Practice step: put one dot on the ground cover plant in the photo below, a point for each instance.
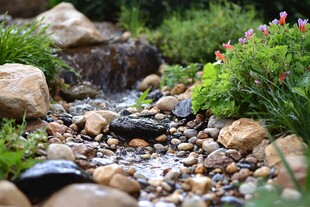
(28, 44)
(265, 74)
(17, 152)
(193, 36)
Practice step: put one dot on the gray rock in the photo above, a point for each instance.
(183, 109)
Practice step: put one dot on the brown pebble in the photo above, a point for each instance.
(200, 169)
(138, 143)
(161, 138)
(74, 127)
(131, 170)
(202, 135)
(241, 175)
(262, 172)
(232, 168)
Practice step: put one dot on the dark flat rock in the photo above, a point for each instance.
(183, 109)
(47, 177)
(128, 128)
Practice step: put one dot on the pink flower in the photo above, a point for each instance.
(242, 40)
(283, 16)
(275, 21)
(248, 33)
(220, 56)
(228, 46)
(302, 24)
(257, 82)
(263, 28)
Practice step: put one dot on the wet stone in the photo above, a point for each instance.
(183, 109)
(52, 173)
(190, 133)
(127, 128)
(217, 159)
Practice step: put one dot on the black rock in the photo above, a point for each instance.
(128, 128)
(45, 178)
(183, 109)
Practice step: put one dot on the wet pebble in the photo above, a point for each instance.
(189, 161)
(210, 146)
(262, 172)
(160, 148)
(212, 132)
(190, 133)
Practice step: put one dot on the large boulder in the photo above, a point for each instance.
(243, 134)
(69, 27)
(23, 88)
(90, 195)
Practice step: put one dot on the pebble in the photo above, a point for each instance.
(200, 185)
(189, 161)
(161, 138)
(202, 135)
(159, 116)
(185, 146)
(103, 174)
(262, 172)
(190, 133)
(167, 103)
(156, 181)
(59, 151)
(106, 152)
(232, 168)
(138, 143)
(210, 146)
(160, 148)
(235, 154)
(241, 175)
(247, 188)
(112, 141)
(172, 175)
(98, 138)
(290, 194)
(212, 132)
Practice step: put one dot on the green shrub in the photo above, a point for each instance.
(17, 152)
(265, 75)
(25, 44)
(175, 74)
(194, 37)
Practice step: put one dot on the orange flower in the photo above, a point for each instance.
(283, 16)
(302, 24)
(220, 56)
(228, 46)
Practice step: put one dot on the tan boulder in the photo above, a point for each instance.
(23, 88)
(90, 195)
(243, 134)
(69, 27)
(149, 81)
(289, 145)
(10, 195)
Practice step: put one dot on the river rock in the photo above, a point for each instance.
(79, 92)
(69, 27)
(90, 195)
(149, 81)
(126, 184)
(183, 109)
(59, 152)
(243, 134)
(200, 184)
(167, 103)
(11, 196)
(23, 88)
(94, 123)
(289, 145)
(218, 123)
(104, 174)
(218, 159)
(129, 128)
(47, 177)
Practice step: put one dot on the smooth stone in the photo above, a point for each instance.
(173, 175)
(185, 146)
(151, 80)
(167, 103)
(217, 159)
(112, 141)
(161, 138)
(59, 152)
(103, 174)
(262, 172)
(189, 161)
(232, 168)
(200, 185)
(212, 132)
(138, 143)
(52, 173)
(210, 146)
(94, 123)
(125, 184)
(190, 133)
(90, 195)
(215, 122)
(291, 194)
(107, 152)
(160, 148)
(10, 195)
(247, 188)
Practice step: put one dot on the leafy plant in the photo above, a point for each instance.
(16, 151)
(131, 18)
(27, 44)
(266, 74)
(142, 100)
(175, 74)
(193, 36)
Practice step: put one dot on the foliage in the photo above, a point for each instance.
(16, 151)
(175, 74)
(142, 100)
(193, 36)
(27, 45)
(265, 74)
(131, 18)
